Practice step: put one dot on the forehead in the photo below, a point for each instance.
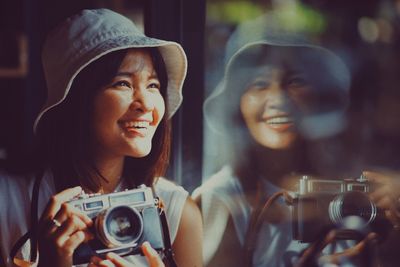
(280, 56)
(137, 60)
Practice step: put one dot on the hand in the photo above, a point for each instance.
(361, 250)
(62, 228)
(387, 194)
(114, 260)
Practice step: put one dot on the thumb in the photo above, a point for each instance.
(152, 256)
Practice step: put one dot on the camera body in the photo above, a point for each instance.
(321, 205)
(122, 221)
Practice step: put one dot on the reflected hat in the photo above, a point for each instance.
(257, 39)
(91, 34)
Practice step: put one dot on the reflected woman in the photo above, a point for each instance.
(278, 95)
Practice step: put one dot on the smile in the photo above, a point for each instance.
(280, 123)
(135, 128)
(279, 120)
(136, 124)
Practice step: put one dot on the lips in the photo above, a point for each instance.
(135, 124)
(279, 122)
(135, 127)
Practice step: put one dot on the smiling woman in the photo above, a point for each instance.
(105, 128)
(136, 108)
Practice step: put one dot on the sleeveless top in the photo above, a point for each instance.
(226, 212)
(15, 201)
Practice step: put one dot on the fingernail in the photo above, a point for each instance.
(111, 255)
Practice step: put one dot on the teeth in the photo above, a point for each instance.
(279, 120)
(136, 124)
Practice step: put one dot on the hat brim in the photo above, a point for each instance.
(172, 53)
(217, 112)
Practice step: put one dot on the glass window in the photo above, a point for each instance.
(301, 97)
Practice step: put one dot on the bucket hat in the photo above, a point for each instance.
(260, 36)
(91, 34)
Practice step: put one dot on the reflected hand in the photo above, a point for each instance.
(351, 253)
(114, 260)
(387, 195)
(62, 228)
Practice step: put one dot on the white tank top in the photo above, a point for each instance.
(15, 201)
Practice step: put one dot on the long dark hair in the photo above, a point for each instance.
(64, 135)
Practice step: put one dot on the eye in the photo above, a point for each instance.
(296, 82)
(122, 83)
(154, 85)
(259, 84)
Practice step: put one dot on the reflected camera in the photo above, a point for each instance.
(122, 221)
(321, 205)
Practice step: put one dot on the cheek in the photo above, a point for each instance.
(249, 106)
(159, 105)
(107, 109)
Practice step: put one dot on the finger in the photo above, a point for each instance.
(380, 193)
(385, 203)
(55, 201)
(95, 259)
(106, 263)
(72, 242)
(153, 258)
(117, 260)
(354, 251)
(70, 226)
(67, 211)
(375, 176)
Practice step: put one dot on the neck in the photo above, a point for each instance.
(111, 169)
(280, 166)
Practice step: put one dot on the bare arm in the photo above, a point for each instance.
(189, 240)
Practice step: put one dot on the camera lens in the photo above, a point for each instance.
(352, 204)
(119, 226)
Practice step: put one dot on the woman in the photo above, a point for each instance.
(280, 96)
(105, 128)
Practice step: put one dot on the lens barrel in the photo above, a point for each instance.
(119, 226)
(352, 203)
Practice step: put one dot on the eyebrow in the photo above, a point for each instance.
(128, 74)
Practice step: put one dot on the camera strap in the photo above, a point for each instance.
(256, 221)
(32, 232)
(168, 252)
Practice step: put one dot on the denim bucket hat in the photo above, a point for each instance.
(91, 34)
(260, 37)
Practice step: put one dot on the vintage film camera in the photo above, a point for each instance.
(321, 205)
(122, 222)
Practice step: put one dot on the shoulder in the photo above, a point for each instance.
(14, 208)
(168, 190)
(220, 184)
(189, 239)
(190, 214)
(13, 186)
(174, 198)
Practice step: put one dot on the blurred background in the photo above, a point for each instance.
(365, 34)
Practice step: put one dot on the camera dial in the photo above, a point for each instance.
(119, 226)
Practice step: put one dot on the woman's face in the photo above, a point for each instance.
(128, 110)
(269, 103)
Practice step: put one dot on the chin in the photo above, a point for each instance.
(139, 152)
(279, 143)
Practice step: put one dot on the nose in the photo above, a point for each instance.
(275, 96)
(142, 101)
